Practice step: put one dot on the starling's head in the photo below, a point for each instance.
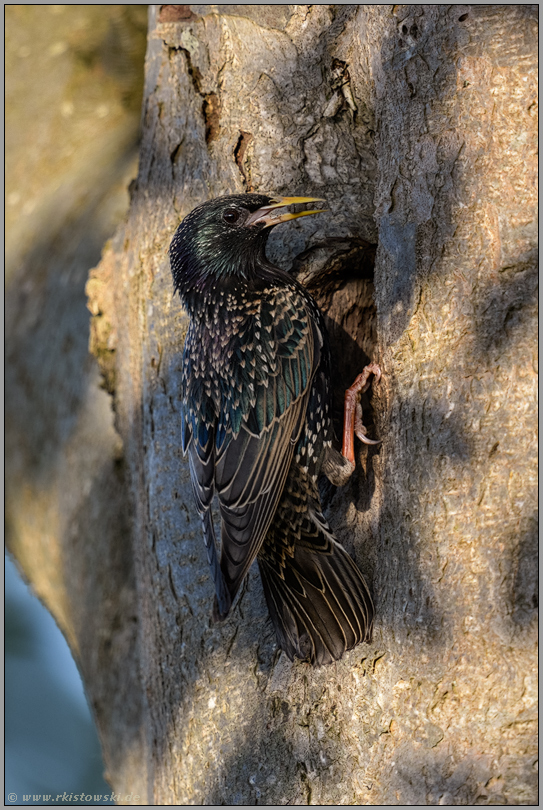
(227, 237)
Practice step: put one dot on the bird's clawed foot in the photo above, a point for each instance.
(352, 422)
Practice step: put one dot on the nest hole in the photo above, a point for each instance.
(339, 276)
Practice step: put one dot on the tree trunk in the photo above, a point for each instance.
(417, 125)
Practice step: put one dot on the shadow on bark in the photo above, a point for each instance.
(524, 582)
(102, 593)
(505, 309)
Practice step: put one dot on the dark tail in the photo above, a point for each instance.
(223, 601)
(317, 597)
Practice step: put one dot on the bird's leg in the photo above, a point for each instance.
(352, 419)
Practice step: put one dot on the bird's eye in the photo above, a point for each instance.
(231, 216)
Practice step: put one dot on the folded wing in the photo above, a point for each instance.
(241, 450)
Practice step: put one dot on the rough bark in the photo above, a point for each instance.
(416, 123)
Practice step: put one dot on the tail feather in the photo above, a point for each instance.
(223, 600)
(316, 596)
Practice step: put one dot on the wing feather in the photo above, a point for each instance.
(241, 445)
(246, 521)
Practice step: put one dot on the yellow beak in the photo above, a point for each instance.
(268, 216)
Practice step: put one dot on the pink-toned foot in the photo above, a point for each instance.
(352, 419)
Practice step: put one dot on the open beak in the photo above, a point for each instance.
(269, 215)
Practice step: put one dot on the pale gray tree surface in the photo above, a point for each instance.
(417, 125)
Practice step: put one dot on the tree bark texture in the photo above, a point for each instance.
(417, 125)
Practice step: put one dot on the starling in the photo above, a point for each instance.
(257, 426)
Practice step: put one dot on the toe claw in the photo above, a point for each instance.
(360, 429)
(364, 438)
